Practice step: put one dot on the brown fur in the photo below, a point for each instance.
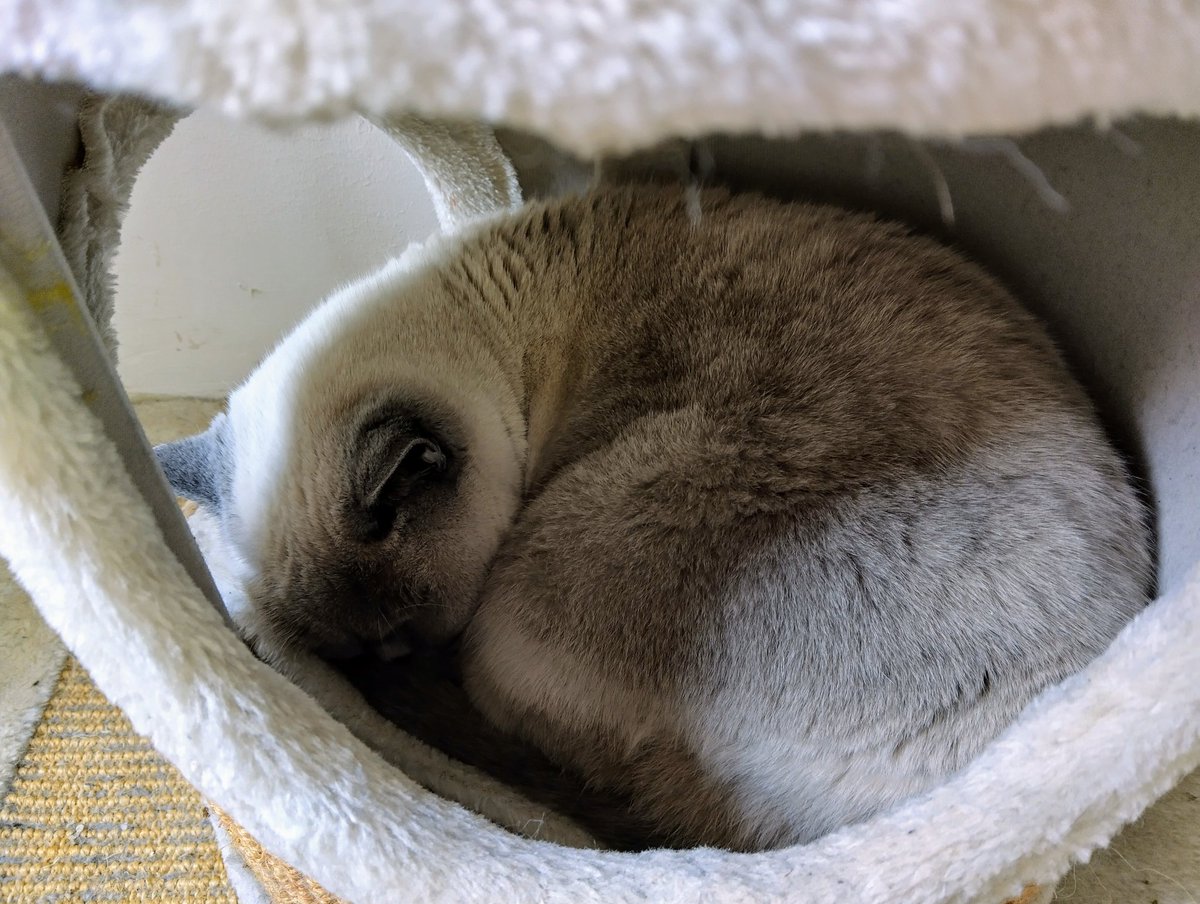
(809, 507)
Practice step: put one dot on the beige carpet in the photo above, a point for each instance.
(30, 659)
(1154, 861)
(93, 813)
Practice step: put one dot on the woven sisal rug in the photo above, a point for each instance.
(93, 813)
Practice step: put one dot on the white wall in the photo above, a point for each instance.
(235, 231)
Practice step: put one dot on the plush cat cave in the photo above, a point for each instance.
(1095, 228)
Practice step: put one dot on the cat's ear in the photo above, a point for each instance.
(394, 457)
(197, 466)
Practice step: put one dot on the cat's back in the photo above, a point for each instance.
(821, 510)
(780, 316)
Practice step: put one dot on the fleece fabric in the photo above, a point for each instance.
(600, 75)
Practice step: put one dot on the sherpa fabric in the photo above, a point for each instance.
(466, 172)
(619, 75)
(117, 136)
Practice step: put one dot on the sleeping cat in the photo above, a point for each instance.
(762, 517)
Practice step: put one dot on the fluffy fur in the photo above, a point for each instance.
(606, 76)
(763, 516)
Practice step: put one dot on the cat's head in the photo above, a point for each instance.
(362, 477)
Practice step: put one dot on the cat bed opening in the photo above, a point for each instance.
(234, 228)
(1113, 274)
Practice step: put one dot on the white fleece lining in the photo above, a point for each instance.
(620, 75)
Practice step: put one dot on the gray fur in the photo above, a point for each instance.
(809, 507)
(199, 467)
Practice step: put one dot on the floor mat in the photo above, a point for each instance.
(31, 656)
(93, 813)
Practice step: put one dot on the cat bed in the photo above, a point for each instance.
(90, 529)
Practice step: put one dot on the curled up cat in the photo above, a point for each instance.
(754, 518)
